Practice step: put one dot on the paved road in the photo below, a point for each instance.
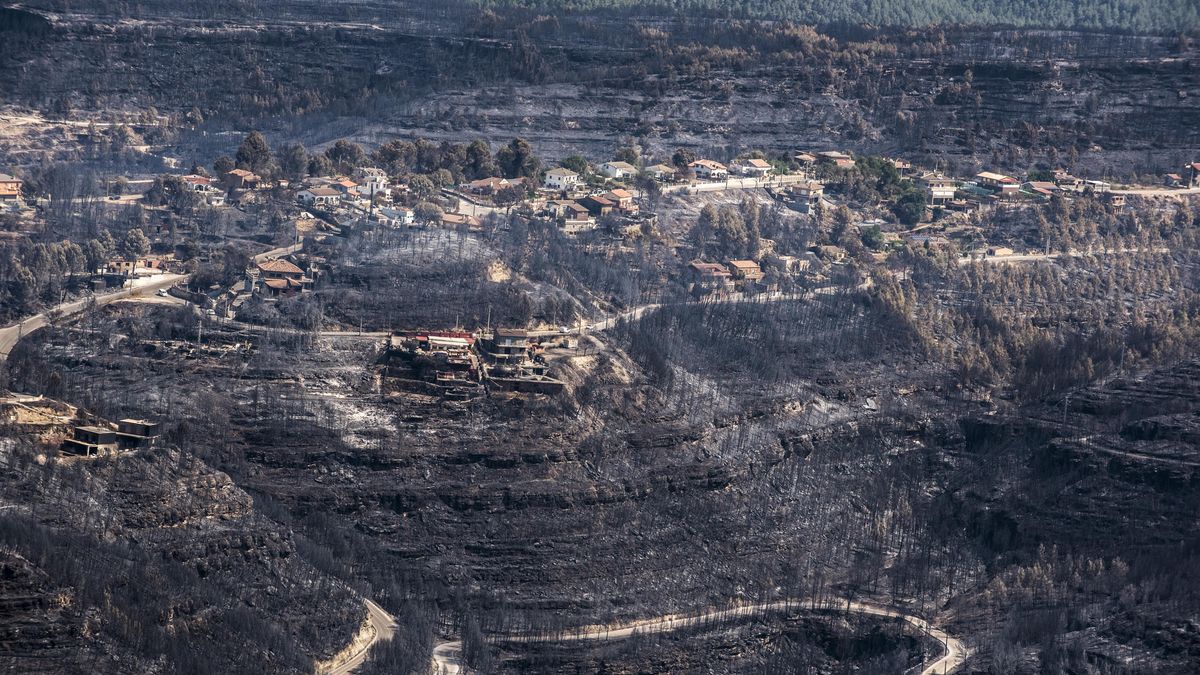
(276, 252)
(384, 627)
(10, 335)
(641, 310)
(1033, 257)
(447, 655)
(121, 199)
(1156, 192)
(1098, 445)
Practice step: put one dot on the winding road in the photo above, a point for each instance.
(383, 627)
(641, 310)
(11, 334)
(1034, 257)
(447, 655)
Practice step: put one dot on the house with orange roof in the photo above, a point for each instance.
(241, 179)
(622, 198)
(708, 169)
(277, 277)
(10, 188)
(754, 167)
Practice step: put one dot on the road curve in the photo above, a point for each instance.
(1034, 257)
(11, 334)
(733, 298)
(447, 655)
(383, 627)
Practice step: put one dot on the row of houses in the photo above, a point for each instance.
(702, 169)
(713, 278)
(577, 215)
(834, 158)
(492, 185)
(368, 183)
(215, 190)
(564, 179)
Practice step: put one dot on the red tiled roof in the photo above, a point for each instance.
(280, 266)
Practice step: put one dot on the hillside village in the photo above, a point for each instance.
(596, 336)
(611, 201)
(294, 207)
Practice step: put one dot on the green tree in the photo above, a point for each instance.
(628, 154)
(872, 238)
(427, 213)
(223, 165)
(293, 161)
(575, 163)
(910, 208)
(134, 245)
(118, 186)
(517, 160)
(428, 156)
(507, 196)
(683, 157)
(480, 163)
(22, 285)
(319, 165)
(254, 154)
(396, 157)
(422, 187)
(108, 245)
(346, 156)
(94, 255)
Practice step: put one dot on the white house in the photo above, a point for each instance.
(320, 196)
(707, 169)
(939, 189)
(755, 168)
(661, 171)
(561, 179)
(197, 183)
(397, 217)
(373, 181)
(618, 170)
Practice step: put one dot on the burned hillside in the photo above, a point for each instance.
(474, 337)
